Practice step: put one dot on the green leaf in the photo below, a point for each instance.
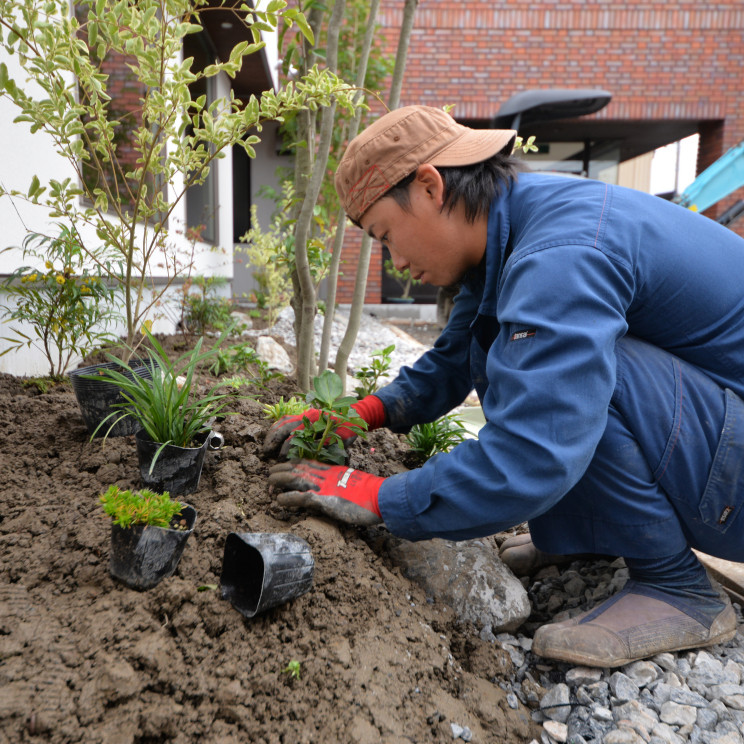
(328, 386)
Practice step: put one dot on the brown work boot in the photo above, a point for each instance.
(633, 624)
(524, 559)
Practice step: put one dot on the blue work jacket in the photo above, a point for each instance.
(571, 266)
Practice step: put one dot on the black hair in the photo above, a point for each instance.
(474, 185)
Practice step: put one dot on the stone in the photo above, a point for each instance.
(677, 715)
(556, 730)
(642, 672)
(687, 697)
(468, 577)
(555, 703)
(707, 719)
(623, 736)
(582, 676)
(273, 354)
(623, 687)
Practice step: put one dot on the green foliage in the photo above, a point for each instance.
(167, 405)
(68, 308)
(403, 278)
(240, 358)
(319, 440)
(267, 255)
(292, 670)
(275, 411)
(127, 195)
(272, 253)
(204, 310)
(140, 507)
(426, 440)
(369, 376)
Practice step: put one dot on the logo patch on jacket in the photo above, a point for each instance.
(524, 333)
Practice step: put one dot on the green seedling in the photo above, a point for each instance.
(291, 407)
(239, 358)
(369, 377)
(426, 440)
(167, 406)
(319, 440)
(292, 670)
(127, 508)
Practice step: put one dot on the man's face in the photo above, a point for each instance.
(436, 246)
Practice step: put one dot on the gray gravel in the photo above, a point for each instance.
(691, 696)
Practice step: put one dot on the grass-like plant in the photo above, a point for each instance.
(166, 406)
(140, 507)
(426, 440)
(369, 376)
(319, 440)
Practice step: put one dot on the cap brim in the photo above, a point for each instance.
(475, 146)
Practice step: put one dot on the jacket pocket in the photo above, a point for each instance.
(721, 503)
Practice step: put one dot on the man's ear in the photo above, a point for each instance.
(428, 177)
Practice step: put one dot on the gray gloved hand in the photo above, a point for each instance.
(339, 492)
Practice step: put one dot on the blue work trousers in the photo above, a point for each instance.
(667, 473)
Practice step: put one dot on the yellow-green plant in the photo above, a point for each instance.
(266, 252)
(290, 407)
(125, 192)
(127, 508)
(292, 670)
(68, 309)
(403, 278)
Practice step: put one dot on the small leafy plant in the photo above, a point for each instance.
(239, 358)
(426, 440)
(140, 507)
(291, 407)
(204, 310)
(292, 670)
(319, 440)
(166, 405)
(68, 308)
(369, 377)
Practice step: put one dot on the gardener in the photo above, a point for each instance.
(603, 330)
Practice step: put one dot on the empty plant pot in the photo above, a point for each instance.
(95, 397)
(177, 470)
(143, 555)
(261, 570)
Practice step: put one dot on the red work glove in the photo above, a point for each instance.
(369, 409)
(334, 490)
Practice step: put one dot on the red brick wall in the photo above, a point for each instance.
(660, 59)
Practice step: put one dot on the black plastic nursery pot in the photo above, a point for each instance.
(97, 397)
(143, 555)
(261, 570)
(177, 470)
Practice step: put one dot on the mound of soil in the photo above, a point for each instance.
(85, 659)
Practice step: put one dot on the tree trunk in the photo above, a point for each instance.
(341, 219)
(360, 285)
(306, 345)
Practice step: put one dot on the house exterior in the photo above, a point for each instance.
(673, 69)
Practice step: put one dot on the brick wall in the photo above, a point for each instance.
(661, 60)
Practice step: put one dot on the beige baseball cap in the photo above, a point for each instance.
(398, 143)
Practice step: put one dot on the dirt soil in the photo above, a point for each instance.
(85, 659)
